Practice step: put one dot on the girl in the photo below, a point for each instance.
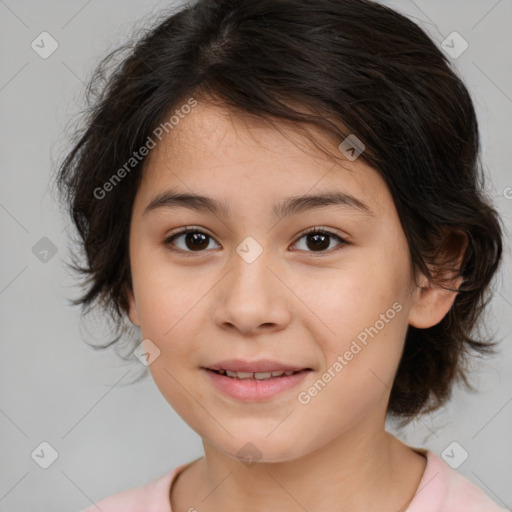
(284, 196)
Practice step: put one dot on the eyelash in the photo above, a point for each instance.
(315, 230)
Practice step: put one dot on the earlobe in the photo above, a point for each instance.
(133, 313)
(431, 301)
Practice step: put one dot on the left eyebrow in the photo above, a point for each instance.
(289, 206)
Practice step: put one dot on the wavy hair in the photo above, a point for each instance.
(344, 66)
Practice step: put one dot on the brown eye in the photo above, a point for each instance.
(319, 240)
(191, 240)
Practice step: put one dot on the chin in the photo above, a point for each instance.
(253, 450)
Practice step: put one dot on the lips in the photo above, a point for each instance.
(257, 386)
(260, 366)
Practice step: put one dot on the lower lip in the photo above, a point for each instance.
(253, 390)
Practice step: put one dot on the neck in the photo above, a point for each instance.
(361, 470)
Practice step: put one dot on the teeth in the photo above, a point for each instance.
(240, 375)
(257, 375)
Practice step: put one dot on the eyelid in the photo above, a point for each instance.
(322, 230)
(184, 230)
(315, 229)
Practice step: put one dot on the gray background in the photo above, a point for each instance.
(55, 388)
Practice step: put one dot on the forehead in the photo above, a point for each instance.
(218, 152)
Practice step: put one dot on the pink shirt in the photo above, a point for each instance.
(441, 489)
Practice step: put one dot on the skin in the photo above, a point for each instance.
(292, 304)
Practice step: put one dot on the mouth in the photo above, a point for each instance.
(269, 379)
(254, 367)
(260, 376)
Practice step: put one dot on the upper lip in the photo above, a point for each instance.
(262, 365)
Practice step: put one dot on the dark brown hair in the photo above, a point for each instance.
(326, 63)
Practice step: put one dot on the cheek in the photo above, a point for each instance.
(348, 299)
(165, 292)
(360, 365)
(363, 310)
(173, 304)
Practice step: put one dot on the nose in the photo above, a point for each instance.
(252, 298)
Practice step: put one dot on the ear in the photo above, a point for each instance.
(133, 312)
(432, 302)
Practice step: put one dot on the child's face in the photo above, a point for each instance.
(295, 303)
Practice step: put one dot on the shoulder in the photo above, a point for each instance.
(150, 497)
(443, 489)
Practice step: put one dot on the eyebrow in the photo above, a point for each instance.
(289, 206)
